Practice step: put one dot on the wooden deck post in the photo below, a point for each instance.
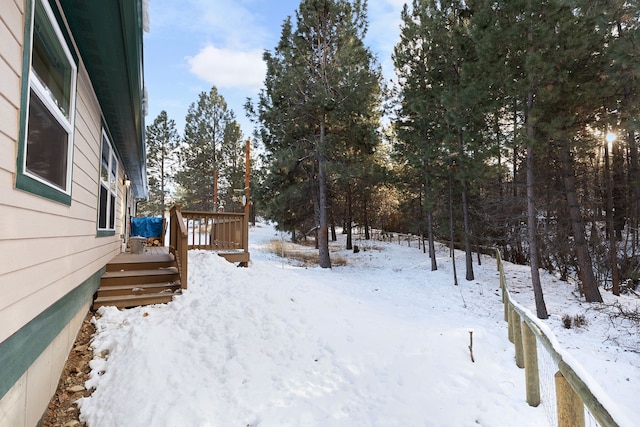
(570, 406)
(531, 373)
(178, 240)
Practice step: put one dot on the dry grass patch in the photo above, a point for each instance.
(303, 254)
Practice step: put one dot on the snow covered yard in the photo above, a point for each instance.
(382, 341)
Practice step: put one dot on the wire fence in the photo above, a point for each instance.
(567, 393)
(570, 397)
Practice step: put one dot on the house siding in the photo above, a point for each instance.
(53, 247)
(52, 257)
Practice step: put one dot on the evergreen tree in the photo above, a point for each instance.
(206, 127)
(232, 168)
(320, 82)
(420, 113)
(502, 33)
(162, 143)
(440, 127)
(568, 65)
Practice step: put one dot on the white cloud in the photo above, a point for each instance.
(227, 68)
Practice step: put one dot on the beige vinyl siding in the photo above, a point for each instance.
(12, 16)
(9, 87)
(11, 29)
(48, 248)
(7, 158)
(8, 126)
(10, 70)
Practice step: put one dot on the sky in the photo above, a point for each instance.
(378, 340)
(193, 45)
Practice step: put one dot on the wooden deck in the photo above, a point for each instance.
(160, 272)
(139, 279)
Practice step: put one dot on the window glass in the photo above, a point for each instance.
(114, 173)
(46, 144)
(102, 212)
(108, 186)
(104, 169)
(50, 63)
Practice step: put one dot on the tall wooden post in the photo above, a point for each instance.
(517, 339)
(247, 174)
(531, 372)
(247, 202)
(570, 406)
(215, 190)
(510, 324)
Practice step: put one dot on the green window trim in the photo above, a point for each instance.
(28, 180)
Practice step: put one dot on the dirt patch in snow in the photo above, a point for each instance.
(62, 410)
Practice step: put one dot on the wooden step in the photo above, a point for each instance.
(140, 262)
(133, 300)
(235, 257)
(139, 277)
(145, 288)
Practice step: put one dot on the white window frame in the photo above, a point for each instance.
(44, 95)
(110, 186)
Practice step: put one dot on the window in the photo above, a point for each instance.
(46, 142)
(108, 187)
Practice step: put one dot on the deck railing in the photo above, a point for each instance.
(225, 232)
(178, 243)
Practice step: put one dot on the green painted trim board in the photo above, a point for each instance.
(20, 350)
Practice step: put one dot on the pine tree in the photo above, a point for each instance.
(502, 37)
(420, 112)
(320, 81)
(162, 143)
(206, 126)
(232, 168)
(440, 126)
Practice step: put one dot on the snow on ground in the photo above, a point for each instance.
(381, 341)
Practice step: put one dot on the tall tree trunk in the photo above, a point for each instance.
(465, 219)
(367, 235)
(432, 247)
(617, 192)
(429, 211)
(635, 179)
(613, 248)
(467, 234)
(323, 230)
(349, 221)
(541, 307)
(585, 266)
(451, 227)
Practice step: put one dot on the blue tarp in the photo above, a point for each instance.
(146, 227)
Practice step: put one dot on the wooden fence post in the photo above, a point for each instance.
(531, 373)
(510, 315)
(503, 288)
(517, 338)
(570, 406)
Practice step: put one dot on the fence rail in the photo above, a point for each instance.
(576, 393)
(575, 390)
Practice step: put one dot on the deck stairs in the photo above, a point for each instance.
(134, 280)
